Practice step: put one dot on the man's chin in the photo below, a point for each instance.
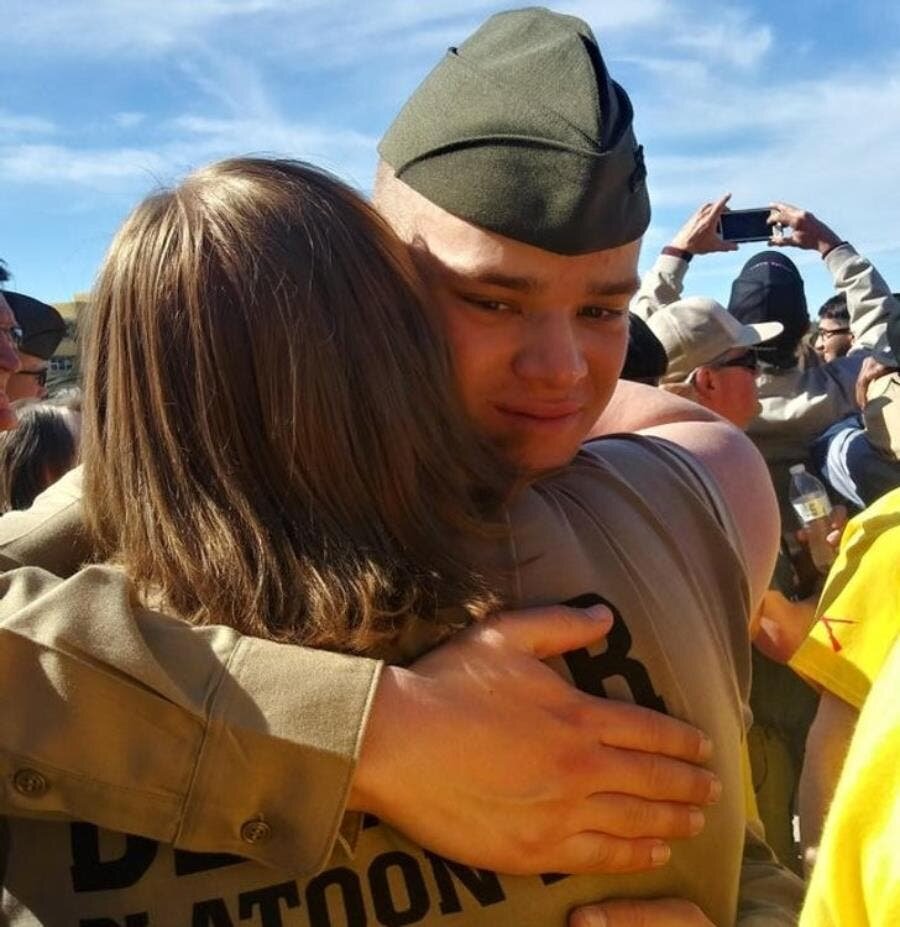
(539, 459)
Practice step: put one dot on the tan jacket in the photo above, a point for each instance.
(797, 405)
(132, 681)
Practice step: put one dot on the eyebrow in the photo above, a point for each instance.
(524, 284)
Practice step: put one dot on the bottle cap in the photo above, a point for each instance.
(798, 468)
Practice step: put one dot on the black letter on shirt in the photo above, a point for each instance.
(131, 920)
(385, 909)
(482, 884)
(91, 874)
(351, 894)
(211, 913)
(267, 899)
(588, 671)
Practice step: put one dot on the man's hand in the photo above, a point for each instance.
(807, 231)
(699, 235)
(660, 912)
(870, 371)
(484, 754)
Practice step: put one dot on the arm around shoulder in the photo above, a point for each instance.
(148, 725)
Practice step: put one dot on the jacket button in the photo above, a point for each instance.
(255, 831)
(30, 782)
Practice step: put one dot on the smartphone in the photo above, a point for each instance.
(745, 225)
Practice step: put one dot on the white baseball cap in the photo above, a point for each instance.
(697, 331)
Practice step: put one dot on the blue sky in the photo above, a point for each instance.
(103, 100)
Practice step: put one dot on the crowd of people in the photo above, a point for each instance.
(416, 562)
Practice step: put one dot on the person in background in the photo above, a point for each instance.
(10, 339)
(43, 328)
(711, 356)
(833, 336)
(37, 452)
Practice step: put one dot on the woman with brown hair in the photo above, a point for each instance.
(271, 435)
(272, 441)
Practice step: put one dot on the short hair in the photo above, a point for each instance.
(36, 453)
(272, 437)
(835, 307)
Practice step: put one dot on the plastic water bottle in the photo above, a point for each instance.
(813, 508)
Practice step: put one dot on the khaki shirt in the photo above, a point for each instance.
(661, 553)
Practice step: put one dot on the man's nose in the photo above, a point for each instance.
(552, 354)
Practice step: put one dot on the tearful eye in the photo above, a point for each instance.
(488, 305)
(602, 312)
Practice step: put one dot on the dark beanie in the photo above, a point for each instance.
(42, 326)
(769, 288)
(646, 358)
(521, 131)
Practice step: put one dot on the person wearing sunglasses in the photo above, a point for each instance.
(712, 356)
(10, 338)
(43, 328)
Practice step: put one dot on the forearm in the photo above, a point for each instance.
(869, 299)
(826, 748)
(150, 726)
(662, 284)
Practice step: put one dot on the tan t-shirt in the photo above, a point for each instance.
(629, 523)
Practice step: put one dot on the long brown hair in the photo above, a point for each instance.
(271, 434)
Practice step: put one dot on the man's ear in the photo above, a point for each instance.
(705, 381)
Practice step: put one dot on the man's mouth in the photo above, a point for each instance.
(537, 413)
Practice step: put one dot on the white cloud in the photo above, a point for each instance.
(15, 124)
(730, 37)
(60, 165)
(128, 120)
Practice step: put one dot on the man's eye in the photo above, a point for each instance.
(488, 305)
(602, 312)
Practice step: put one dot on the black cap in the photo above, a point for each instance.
(646, 358)
(769, 288)
(42, 326)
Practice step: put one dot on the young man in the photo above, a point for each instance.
(833, 336)
(533, 281)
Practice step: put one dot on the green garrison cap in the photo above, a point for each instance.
(522, 131)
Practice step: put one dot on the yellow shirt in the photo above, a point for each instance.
(858, 616)
(856, 880)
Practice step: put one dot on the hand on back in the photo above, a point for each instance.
(481, 752)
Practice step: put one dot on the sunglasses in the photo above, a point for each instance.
(39, 375)
(748, 360)
(826, 333)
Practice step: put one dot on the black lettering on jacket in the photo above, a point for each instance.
(387, 910)
(92, 874)
(590, 670)
(484, 886)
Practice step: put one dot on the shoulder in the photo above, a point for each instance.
(51, 533)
